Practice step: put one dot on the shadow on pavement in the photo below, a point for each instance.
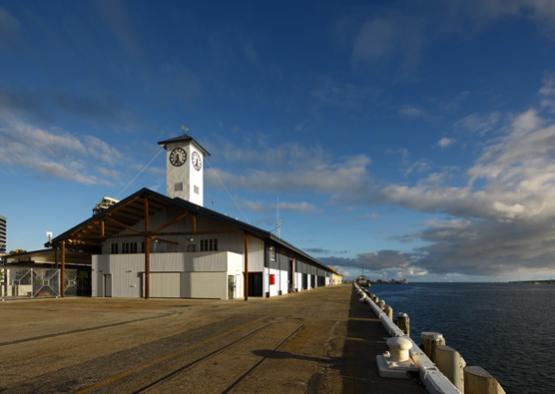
(276, 354)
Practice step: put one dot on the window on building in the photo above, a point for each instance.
(128, 247)
(195, 189)
(178, 187)
(208, 245)
(272, 253)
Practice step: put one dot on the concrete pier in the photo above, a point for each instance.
(322, 340)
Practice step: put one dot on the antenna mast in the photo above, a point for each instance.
(278, 221)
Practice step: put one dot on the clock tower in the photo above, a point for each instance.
(185, 168)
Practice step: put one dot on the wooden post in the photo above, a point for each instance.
(194, 229)
(294, 273)
(451, 364)
(403, 322)
(5, 280)
(102, 229)
(430, 341)
(246, 273)
(63, 268)
(479, 381)
(388, 311)
(147, 252)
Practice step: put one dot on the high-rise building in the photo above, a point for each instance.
(2, 234)
(104, 204)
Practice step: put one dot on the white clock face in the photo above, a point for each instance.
(178, 157)
(196, 160)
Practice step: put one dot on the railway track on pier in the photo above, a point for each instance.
(236, 380)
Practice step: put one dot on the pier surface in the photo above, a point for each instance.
(323, 340)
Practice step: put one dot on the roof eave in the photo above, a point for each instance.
(164, 143)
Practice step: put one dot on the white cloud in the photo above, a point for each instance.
(500, 221)
(409, 166)
(371, 216)
(527, 121)
(375, 40)
(383, 263)
(547, 92)
(419, 166)
(412, 111)
(480, 124)
(299, 207)
(548, 87)
(387, 37)
(294, 169)
(445, 142)
(56, 154)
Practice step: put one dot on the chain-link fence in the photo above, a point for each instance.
(36, 282)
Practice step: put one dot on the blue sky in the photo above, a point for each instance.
(416, 139)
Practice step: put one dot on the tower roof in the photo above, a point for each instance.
(185, 138)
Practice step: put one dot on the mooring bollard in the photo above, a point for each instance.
(431, 340)
(388, 311)
(479, 381)
(381, 304)
(399, 348)
(451, 364)
(403, 322)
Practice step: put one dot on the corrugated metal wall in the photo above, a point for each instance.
(126, 271)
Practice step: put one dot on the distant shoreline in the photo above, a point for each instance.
(543, 282)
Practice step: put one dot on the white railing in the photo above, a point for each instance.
(434, 380)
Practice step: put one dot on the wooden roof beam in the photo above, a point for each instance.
(123, 225)
(175, 220)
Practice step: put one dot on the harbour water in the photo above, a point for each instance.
(506, 328)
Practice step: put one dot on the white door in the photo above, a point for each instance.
(165, 284)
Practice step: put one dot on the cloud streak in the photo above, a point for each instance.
(299, 207)
(383, 263)
(56, 154)
(301, 169)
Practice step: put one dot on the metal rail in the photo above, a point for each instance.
(257, 364)
(169, 376)
(434, 381)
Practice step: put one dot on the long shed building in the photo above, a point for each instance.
(153, 245)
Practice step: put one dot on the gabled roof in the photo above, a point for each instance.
(184, 138)
(130, 210)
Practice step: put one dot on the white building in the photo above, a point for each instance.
(152, 245)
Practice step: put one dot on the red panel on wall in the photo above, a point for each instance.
(272, 279)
